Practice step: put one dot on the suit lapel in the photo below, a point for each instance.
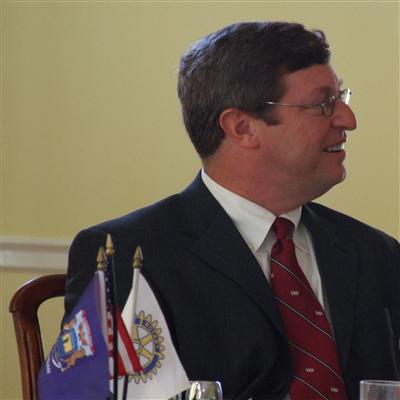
(337, 263)
(217, 242)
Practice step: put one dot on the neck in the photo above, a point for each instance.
(272, 194)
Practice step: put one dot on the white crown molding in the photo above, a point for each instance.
(19, 252)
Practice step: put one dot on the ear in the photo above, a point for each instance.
(239, 127)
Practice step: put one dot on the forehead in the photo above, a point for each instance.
(319, 78)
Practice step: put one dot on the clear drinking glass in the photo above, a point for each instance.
(379, 390)
(204, 390)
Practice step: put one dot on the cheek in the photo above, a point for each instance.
(297, 143)
(304, 145)
(302, 134)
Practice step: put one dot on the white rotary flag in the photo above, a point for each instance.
(163, 375)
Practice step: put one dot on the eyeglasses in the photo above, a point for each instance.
(327, 106)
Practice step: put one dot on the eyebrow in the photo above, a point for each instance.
(323, 90)
(328, 89)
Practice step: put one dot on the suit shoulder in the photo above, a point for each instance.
(142, 218)
(345, 225)
(140, 223)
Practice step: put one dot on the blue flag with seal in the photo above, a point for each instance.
(77, 366)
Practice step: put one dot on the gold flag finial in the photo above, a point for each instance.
(100, 259)
(109, 246)
(137, 258)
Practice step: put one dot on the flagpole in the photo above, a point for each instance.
(101, 269)
(137, 264)
(113, 297)
(101, 266)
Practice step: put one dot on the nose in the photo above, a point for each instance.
(344, 117)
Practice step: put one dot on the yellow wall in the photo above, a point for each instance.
(91, 125)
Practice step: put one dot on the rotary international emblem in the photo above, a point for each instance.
(148, 341)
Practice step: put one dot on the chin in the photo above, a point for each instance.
(344, 174)
(339, 177)
(325, 186)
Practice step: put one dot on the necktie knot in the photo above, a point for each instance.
(282, 228)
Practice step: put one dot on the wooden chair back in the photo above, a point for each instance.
(24, 308)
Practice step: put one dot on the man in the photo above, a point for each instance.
(268, 117)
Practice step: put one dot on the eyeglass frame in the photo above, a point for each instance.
(327, 104)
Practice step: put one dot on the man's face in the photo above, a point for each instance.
(305, 148)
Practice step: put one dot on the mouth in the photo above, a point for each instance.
(334, 149)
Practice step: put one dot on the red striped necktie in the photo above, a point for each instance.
(317, 374)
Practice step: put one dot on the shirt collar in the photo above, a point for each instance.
(252, 221)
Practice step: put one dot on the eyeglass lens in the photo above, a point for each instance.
(328, 106)
(345, 96)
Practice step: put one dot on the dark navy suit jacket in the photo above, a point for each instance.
(219, 306)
